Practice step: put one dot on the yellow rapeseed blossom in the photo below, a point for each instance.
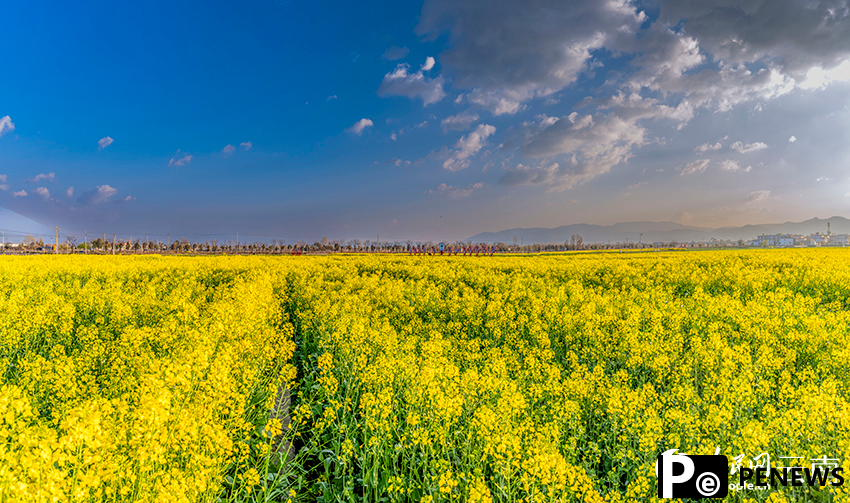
(551, 378)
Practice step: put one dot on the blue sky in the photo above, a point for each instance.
(433, 120)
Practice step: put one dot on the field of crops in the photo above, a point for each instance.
(427, 379)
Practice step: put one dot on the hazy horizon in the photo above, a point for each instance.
(435, 120)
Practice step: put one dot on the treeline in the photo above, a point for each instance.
(273, 247)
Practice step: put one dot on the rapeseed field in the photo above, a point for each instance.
(370, 378)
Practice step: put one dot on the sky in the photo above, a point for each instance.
(424, 121)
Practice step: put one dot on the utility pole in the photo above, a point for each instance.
(378, 246)
(56, 246)
(86, 241)
(147, 240)
(113, 244)
(237, 241)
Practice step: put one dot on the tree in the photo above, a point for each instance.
(71, 241)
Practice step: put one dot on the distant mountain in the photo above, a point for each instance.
(657, 232)
(16, 227)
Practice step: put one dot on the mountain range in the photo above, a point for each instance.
(664, 232)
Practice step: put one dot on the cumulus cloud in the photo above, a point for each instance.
(706, 147)
(104, 142)
(360, 126)
(793, 35)
(632, 107)
(6, 125)
(757, 196)
(98, 195)
(401, 82)
(698, 166)
(43, 192)
(69, 192)
(456, 192)
(733, 166)
(20, 193)
(507, 56)
(792, 139)
(467, 147)
(42, 176)
(818, 78)
(228, 149)
(459, 122)
(590, 144)
(246, 146)
(3, 185)
(179, 159)
(395, 53)
(746, 148)
(701, 165)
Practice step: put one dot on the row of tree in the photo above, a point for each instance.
(275, 246)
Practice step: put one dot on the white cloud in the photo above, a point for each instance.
(69, 192)
(20, 193)
(4, 187)
(697, 166)
(178, 160)
(228, 149)
(733, 166)
(456, 192)
(129, 199)
(393, 136)
(467, 147)
(4, 178)
(43, 192)
(98, 195)
(459, 122)
(792, 139)
(818, 78)
(794, 35)
(6, 125)
(400, 82)
(331, 97)
(757, 196)
(360, 126)
(104, 142)
(590, 144)
(507, 56)
(748, 147)
(42, 176)
(246, 146)
(706, 147)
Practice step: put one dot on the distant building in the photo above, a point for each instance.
(837, 240)
(776, 240)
